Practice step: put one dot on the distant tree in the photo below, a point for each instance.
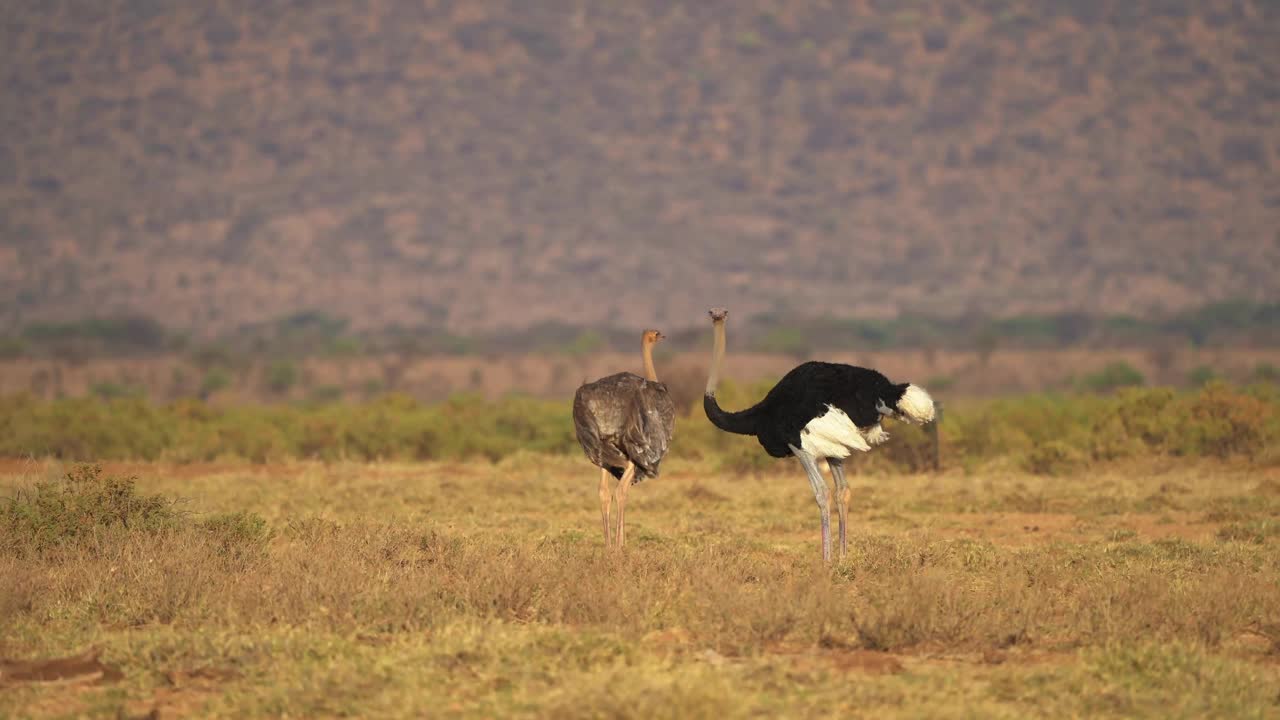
(1115, 375)
(282, 375)
(985, 343)
(215, 380)
(1201, 375)
(1266, 372)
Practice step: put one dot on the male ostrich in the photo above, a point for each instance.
(819, 411)
(624, 424)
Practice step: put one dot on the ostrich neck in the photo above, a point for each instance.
(717, 358)
(649, 372)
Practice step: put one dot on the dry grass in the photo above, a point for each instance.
(479, 590)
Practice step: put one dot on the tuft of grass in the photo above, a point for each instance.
(1175, 679)
(238, 534)
(1254, 531)
(1053, 458)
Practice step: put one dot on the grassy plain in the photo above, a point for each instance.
(1148, 588)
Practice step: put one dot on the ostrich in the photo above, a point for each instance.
(624, 424)
(818, 411)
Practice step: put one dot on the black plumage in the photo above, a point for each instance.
(803, 394)
(818, 411)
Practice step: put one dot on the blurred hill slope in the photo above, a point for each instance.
(481, 165)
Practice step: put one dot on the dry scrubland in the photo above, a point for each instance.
(1088, 556)
(480, 589)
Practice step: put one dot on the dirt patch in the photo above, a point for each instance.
(841, 657)
(1023, 529)
(84, 668)
(701, 493)
(1004, 528)
(864, 661)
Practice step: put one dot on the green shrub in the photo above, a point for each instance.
(1115, 375)
(215, 380)
(12, 347)
(238, 535)
(325, 395)
(282, 375)
(107, 389)
(1053, 458)
(1225, 422)
(78, 509)
(1136, 421)
(1266, 373)
(1045, 433)
(1201, 376)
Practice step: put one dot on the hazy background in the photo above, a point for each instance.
(490, 176)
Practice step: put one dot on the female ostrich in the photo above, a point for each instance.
(819, 411)
(624, 424)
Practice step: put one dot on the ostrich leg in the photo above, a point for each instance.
(821, 494)
(842, 497)
(623, 486)
(606, 499)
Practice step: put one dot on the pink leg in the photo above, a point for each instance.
(606, 499)
(623, 486)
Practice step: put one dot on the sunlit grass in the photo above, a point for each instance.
(479, 589)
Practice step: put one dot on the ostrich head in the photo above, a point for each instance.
(652, 336)
(718, 314)
(911, 404)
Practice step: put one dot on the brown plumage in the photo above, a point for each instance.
(624, 423)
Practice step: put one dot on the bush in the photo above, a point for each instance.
(1045, 433)
(325, 394)
(83, 505)
(11, 348)
(107, 389)
(282, 375)
(215, 379)
(1115, 375)
(1200, 376)
(1137, 421)
(1226, 423)
(1266, 373)
(238, 535)
(1053, 458)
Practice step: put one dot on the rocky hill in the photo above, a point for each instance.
(489, 164)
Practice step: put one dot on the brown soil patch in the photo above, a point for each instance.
(76, 669)
(866, 661)
(1023, 529)
(842, 658)
(1003, 528)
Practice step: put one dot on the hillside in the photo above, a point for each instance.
(486, 165)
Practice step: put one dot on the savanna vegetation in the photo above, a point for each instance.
(1089, 554)
(474, 589)
(1041, 433)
